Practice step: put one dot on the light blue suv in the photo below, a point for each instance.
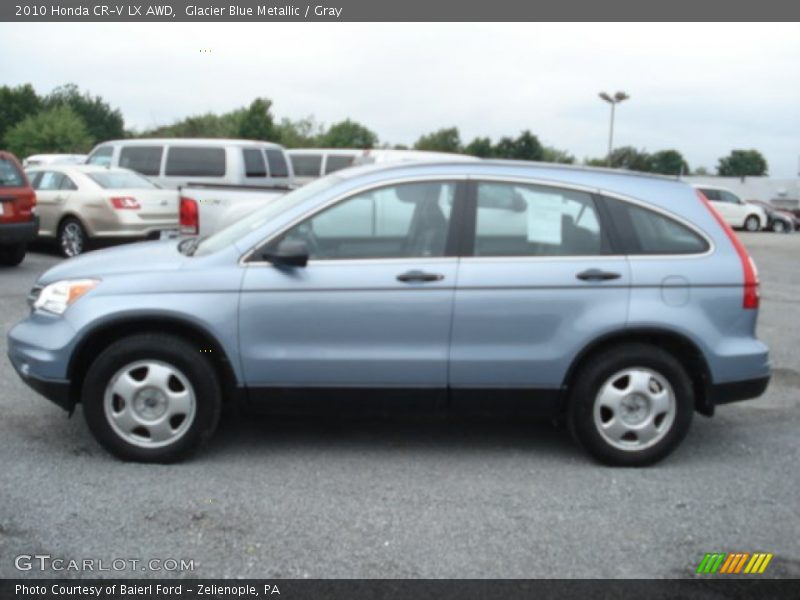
(621, 302)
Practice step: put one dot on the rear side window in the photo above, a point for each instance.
(711, 194)
(336, 162)
(195, 161)
(142, 159)
(101, 156)
(306, 165)
(643, 231)
(10, 175)
(277, 163)
(529, 220)
(49, 181)
(254, 165)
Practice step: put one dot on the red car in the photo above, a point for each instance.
(19, 223)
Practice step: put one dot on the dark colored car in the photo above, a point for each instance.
(777, 220)
(18, 221)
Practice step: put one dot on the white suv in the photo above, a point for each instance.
(735, 211)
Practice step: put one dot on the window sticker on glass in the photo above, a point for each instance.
(544, 217)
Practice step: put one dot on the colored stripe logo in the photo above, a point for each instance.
(734, 563)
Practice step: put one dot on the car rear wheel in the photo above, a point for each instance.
(11, 256)
(72, 238)
(631, 405)
(752, 223)
(779, 227)
(151, 398)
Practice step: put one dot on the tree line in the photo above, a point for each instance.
(70, 121)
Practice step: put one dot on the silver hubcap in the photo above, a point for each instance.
(150, 404)
(634, 409)
(72, 239)
(751, 224)
(778, 227)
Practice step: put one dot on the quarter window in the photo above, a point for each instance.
(407, 220)
(645, 231)
(195, 161)
(306, 165)
(528, 220)
(49, 181)
(142, 159)
(277, 163)
(254, 165)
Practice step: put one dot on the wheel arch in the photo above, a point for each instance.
(73, 215)
(103, 335)
(681, 347)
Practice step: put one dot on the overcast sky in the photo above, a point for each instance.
(703, 89)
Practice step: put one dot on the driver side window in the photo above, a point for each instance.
(408, 220)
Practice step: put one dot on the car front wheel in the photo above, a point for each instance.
(151, 398)
(752, 223)
(631, 405)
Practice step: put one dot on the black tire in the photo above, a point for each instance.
(600, 369)
(752, 224)
(72, 237)
(164, 349)
(779, 227)
(11, 256)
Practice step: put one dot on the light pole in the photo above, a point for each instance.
(613, 101)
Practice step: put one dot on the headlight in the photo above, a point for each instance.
(59, 296)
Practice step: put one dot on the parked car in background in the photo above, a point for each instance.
(204, 210)
(19, 222)
(622, 302)
(777, 220)
(311, 163)
(736, 212)
(789, 207)
(79, 203)
(176, 162)
(36, 160)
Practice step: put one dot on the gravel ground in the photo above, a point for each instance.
(411, 497)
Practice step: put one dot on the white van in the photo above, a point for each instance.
(312, 163)
(175, 162)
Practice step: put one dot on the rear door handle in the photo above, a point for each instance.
(597, 275)
(419, 276)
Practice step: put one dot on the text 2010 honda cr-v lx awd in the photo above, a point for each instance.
(622, 301)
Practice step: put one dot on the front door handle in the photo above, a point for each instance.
(597, 275)
(419, 276)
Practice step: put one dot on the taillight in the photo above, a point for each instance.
(751, 295)
(125, 203)
(190, 216)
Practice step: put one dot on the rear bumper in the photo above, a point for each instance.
(735, 391)
(19, 233)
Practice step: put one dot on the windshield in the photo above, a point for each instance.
(235, 231)
(121, 180)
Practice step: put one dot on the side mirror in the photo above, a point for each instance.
(288, 253)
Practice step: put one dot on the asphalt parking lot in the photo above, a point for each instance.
(313, 497)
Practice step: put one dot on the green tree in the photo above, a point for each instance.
(442, 140)
(303, 133)
(256, 121)
(348, 134)
(481, 147)
(700, 171)
(741, 163)
(102, 122)
(55, 130)
(626, 157)
(504, 148)
(669, 162)
(528, 147)
(208, 125)
(15, 104)
(554, 155)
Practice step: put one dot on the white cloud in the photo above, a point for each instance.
(701, 88)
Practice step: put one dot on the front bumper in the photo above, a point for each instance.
(55, 390)
(19, 233)
(735, 391)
